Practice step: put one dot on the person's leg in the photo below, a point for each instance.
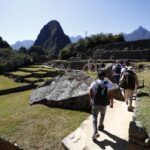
(95, 111)
(94, 116)
(126, 94)
(102, 117)
(131, 92)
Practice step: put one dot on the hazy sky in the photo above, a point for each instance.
(23, 19)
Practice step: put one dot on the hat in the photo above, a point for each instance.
(130, 68)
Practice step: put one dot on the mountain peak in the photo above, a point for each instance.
(140, 27)
(139, 34)
(52, 37)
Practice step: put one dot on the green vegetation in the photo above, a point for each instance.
(36, 126)
(144, 105)
(20, 73)
(6, 83)
(85, 47)
(32, 79)
(9, 59)
(91, 74)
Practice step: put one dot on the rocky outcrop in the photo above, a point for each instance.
(52, 38)
(67, 91)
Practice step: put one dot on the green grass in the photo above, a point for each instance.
(36, 126)
(143, 114)
(20, 73)
(91, 74)
(32, 79)
(38, 68)
(6, 83)
(143, 63)
(41, 72)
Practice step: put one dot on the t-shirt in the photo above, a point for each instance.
(104, 82)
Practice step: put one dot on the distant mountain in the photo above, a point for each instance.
(52, 38)
(138, 34)
(75, 39)
(26, 43)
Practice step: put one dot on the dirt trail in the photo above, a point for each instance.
(114, 136)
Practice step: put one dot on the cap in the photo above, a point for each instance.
(130, 68)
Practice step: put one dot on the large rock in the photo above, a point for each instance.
(52, 38)
(68, 91)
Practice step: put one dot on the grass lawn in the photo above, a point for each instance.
(143, 63)
(144, 105)
(20, 73)
(6, 83)
(38, 68)
(36, 126)
(32, 79)
(40, 72)
(91, 74)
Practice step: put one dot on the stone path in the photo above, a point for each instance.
(114, 137)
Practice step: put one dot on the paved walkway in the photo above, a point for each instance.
(114, 137)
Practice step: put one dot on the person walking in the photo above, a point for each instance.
(100, 98)
(116, 71)
(129, 82)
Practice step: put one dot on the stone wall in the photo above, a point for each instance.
(139, 139)
(125, 54)
(17, 89)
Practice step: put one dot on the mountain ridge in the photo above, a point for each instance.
(25, 43)
(138, 34)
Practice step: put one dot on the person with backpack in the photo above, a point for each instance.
(99, 100)
(129, 82)
(116, 71)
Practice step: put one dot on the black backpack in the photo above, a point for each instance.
(128, 81)
(117, 68)
(101, 95)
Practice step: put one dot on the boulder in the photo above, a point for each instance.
(67, 91)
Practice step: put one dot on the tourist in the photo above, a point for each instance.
(99, 99)
(129, 82)
(116, 71)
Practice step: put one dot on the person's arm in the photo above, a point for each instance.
(111, 99)
(91, 95)
(110, 94)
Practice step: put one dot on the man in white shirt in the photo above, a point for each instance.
(99, 99)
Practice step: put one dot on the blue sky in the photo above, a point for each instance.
(23, 19)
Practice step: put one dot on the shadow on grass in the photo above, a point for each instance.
(118, 144)
(142, 94)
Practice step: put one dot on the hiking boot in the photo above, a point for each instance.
(130, 109)
(101, 127)
(95, 135)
